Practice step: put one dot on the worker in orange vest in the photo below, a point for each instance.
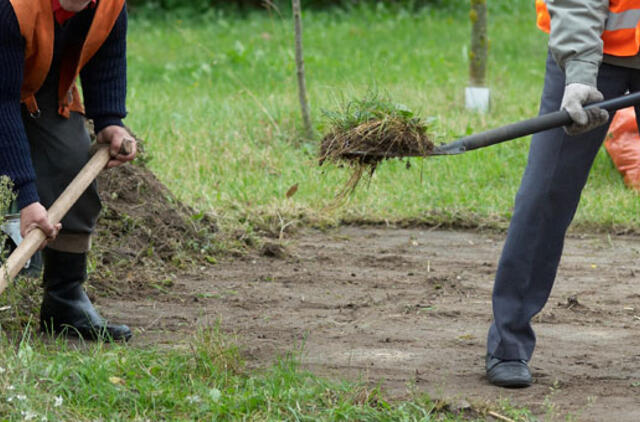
(45, 45)
(593, 54)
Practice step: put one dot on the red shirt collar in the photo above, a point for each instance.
(63, 15)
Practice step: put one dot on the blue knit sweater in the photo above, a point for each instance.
(103, 85)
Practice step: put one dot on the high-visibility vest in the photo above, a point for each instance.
(621, 35)
(36, 21)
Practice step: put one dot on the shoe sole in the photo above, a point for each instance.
(70, 331)
(512, 383)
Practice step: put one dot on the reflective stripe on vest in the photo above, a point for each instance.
(36, 21)
(621, 34)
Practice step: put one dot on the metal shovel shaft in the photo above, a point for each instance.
(528, 127)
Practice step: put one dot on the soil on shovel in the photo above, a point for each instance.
(376, 140)
(369, 131)
(367, 144)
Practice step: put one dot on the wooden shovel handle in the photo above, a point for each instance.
(32, 241)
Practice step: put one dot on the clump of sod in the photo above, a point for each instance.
(366, 132)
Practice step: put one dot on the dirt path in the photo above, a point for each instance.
(410, 309)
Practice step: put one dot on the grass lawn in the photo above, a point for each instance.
(216, 100)
(58, 381)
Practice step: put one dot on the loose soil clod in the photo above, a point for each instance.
(373, 141)
(370, 131)
(274, 250)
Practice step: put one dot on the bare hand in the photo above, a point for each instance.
(114, 136)
(35, 216)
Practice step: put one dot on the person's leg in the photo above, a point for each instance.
(546, 202)
(59, 149)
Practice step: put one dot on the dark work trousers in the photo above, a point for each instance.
(59, 149)
(546, 202)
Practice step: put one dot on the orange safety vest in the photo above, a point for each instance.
(36, 21)
(621, 35)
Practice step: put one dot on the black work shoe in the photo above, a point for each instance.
(66, 308)
(508, 373)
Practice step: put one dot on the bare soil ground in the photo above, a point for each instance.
(410, 308)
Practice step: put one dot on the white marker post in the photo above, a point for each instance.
(477, 94)
(477, 98)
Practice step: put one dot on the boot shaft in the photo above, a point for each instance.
(63, 269)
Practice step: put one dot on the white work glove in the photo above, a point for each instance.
(576, 95)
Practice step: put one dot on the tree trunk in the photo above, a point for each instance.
(302, 86)
(479, 43)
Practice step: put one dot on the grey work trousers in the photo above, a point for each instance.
(546, 202)
(59, 149)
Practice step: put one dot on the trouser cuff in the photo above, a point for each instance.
(71, 243)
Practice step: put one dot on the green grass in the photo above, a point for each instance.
(207, 380)
(371, 107)
(216, 99)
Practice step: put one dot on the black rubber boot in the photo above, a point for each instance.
(66, 308)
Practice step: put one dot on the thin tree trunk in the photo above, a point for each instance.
(302, 86)
(479, 43)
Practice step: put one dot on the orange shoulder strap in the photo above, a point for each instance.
(104, 21)
(35, 18)
(107, 13)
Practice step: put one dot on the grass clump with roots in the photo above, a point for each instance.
(367, 131)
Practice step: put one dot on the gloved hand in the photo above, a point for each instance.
(576, 95)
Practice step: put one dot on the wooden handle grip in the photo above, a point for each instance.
(32, 242)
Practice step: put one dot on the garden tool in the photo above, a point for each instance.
(33, 241)
(511, 131)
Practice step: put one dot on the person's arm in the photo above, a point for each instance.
(104, 84)
(15, 157)
(575, 39)
(104, 79)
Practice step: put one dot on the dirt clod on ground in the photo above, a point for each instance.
(144, 233)
(274, 250)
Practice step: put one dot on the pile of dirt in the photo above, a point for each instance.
(144, 237)
(145, 234)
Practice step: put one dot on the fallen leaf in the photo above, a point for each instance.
(292, 190)
(116, 380)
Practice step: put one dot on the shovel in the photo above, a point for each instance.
(32, 241)
(511, 131)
